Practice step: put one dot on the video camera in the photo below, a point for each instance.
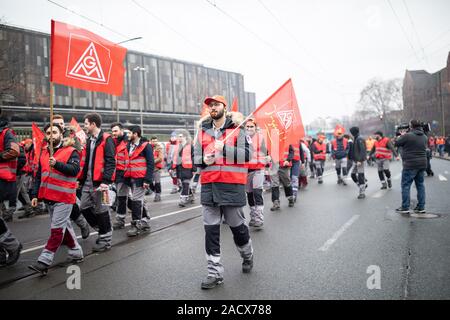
(404, 127)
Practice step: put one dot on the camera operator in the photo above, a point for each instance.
(412, 146)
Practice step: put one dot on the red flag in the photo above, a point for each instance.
(205, 111)
(84, 60)
(38, 140)
(234, 106)
(339, 129)
(279, 118)
(78, 131)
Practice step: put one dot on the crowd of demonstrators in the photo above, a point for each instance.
(95, 182)
(439, 145)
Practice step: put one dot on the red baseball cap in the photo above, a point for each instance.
(216, 98)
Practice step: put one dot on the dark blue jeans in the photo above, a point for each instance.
(408, 176)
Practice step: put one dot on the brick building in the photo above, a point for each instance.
(426, 97)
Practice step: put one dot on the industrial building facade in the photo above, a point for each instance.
(426, 97)
(161, 93)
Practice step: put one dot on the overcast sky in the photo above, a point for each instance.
(330, 49)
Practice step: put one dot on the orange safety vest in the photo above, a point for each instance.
(186, 159)
(122, 158)
(296, 152)
(137, 167)
(8, 169)
(222, 171)
(322, 147)
(56, 186)
(258, 160)
(381, 149)
(334, 144)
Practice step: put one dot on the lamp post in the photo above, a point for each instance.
(141, 70)
(116, 98)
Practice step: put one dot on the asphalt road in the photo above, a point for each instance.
(326, 247)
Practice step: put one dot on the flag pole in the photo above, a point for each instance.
(51, 118)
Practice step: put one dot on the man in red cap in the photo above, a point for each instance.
(221, 150)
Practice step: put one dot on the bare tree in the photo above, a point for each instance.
(380, 97)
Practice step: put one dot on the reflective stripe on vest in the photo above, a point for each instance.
(296, 152)
(8, 169)
(381, 150)
(186, 156)
(122, 158)
(323, 149)
(222, 171)
(99, 163)
(56, 186)
(137, 166)
(258, 160)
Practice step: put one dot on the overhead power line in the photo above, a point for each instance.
(193, 44)
(404, 31)
(416, 33)
(89, 19)
(268, 44)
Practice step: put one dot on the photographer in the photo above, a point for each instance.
(412, 146)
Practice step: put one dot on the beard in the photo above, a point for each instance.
(216, 115)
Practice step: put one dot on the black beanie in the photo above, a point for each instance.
(354, 131)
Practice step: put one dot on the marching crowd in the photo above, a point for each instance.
(112, 172)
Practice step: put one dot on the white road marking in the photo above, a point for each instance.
(446, 172)
(442, 178)
(379, 194)
(338, 233)
(126, 225)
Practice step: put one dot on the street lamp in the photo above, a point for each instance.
(141, 70)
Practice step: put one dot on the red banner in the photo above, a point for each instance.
(78, 131)
(38, 140)
(279, 118)
(84, 60)
(234, 106)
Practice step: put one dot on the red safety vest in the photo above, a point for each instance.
(56, 186)
(296, 152)
(381, 150)
(99, 164)
(334, 144)
(28, 167)
(323, 151)
(258, 160)
(221, 171)
(122, 158)
(8, 169)
(156, 154)
(137, 167)
(186, 159)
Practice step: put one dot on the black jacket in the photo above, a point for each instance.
(412, 147)
(109, 160)
(147, 153)
(341, 152)
(224, 194)
(359, 153)
(70, 169)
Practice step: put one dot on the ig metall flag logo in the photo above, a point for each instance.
(74, 280)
